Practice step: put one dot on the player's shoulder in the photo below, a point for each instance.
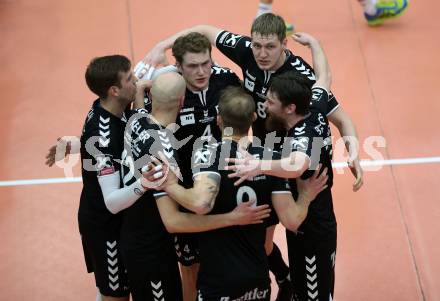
(297, 64)
(320, 94)
(232, 40)
(98, 122)
(220, 73)
(206, 155)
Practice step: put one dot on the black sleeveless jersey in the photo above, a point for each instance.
(312, 136)
(197, 119)
(143, 233)
(234, 257)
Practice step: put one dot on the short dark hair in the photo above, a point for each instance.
(236, 108)
(268, 24)
(104, 72)
(291, 88)
(192, 42)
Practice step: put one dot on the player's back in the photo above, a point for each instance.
(143, 233)
(233, 257)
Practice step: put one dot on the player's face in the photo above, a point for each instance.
(196, 69)
(275, 119)
(127, 89)
(268, 51)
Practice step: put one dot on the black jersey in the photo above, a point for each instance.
(234, 257)
(312, 136)
(101, 149)
(198, 117)
(256, 81)
(143, 234)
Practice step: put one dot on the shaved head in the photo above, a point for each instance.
(167, 90)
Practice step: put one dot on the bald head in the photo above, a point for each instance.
(167, 90)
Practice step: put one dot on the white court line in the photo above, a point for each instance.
(364, 163)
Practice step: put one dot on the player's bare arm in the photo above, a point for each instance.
(64, 147)
(291, 213)
(248, 167)
(339, 118)
(199, 199)
(176, 221)
(157, 56)
(320, 63)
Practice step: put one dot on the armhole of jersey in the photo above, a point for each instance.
(202, 172)
(280, 191)
(334, 109)
(159, 194)
(216, 37)
(317, 86)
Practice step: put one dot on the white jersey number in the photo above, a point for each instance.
(251, 195)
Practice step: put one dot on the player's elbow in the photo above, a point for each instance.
(202, 206)
(291, 225)
(294, 220)
(111, 207)
(172, 225)
(297, 164)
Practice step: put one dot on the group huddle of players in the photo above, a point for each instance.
(203, 166)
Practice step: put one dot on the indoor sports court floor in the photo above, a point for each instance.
(386, 78)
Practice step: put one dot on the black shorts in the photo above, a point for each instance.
(103, 258)
(187, 248)
(153, 280)
(258, 292)
(312, 265)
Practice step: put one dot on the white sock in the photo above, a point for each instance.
(369, 6)
(264, 8)
(98, 296)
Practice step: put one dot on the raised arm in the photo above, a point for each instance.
(320, 63)
(157, 56)
(339, 118)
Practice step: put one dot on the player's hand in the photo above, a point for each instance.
(152, 176)
(245, 213)
(54, 156)
(156, 57)
(171, 174)
(244, 168)
(356, 170)
(143, 85)
(311, 187)
(304, 38)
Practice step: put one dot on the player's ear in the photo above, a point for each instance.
(179, 67)
(290, 109)
(113, 91)
(254, 117)
(284, 43)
